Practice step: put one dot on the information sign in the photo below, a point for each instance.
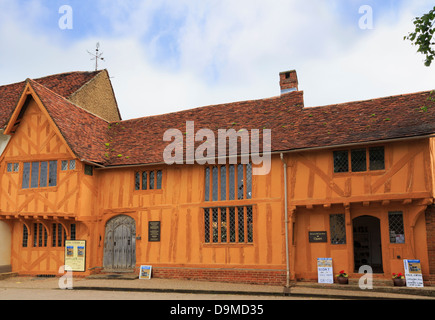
(317, 236)
(75, 255)
(413, 275)
(145, 272)
(154, 231)
(324, 270)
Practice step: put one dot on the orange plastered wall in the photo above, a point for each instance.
(179, 207)
(407, 170)
(37, 140)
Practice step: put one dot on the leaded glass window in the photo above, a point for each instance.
(39, 174)
(377, 158)
(229, 225)
(148, 180)
(341, 161)
(396, 227)
(359, 160)
(337, 228)
(226, 182)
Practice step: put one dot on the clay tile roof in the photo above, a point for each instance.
(396, 117)
(64, 84)
(294, 127)
(84, 132)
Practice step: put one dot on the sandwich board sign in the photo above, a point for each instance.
(75, 255)
(145, 272)
(413, 275)
(324, 270)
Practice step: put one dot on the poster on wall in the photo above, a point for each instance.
(413, 275)
(145, 272)
(75, 255)
(324, 270)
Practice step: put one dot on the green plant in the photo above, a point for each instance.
(342, 274)
(423, 36)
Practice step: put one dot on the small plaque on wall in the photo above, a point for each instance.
(154, 231)
(317, 236)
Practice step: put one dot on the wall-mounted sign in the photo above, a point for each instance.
(324, 270)
(154, 231)
(75, 255)
(317, 236)
(145, 272)
(413, 275)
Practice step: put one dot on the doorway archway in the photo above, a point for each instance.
(367, 245)
(120, 243)
(5, 247)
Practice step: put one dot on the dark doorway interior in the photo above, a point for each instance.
(367, 244)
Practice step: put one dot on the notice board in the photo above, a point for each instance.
(154, 231)
(413, 275)
(324, 270)
(75, 255)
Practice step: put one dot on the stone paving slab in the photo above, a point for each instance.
(204, 287)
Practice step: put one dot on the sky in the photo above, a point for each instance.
(170, 55)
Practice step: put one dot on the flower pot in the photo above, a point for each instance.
(399, 282)
(342, 280)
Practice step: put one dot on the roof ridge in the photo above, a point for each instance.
(372, 99)
(49, 76)
(208, 106)
(68, 72)
(12, 84)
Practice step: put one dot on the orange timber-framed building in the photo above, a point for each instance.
(353, 182)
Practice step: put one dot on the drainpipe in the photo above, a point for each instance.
(286, 222)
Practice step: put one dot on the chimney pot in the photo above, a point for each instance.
(288, 81)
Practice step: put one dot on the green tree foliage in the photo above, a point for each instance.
(423, 36)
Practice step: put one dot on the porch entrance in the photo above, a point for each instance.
(120, 244)
(367, 244)
(5, 247)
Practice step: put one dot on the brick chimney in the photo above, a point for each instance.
(288, 81)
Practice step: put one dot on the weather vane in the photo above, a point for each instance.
(97, 56)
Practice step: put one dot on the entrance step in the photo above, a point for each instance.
(117, 271)
(7, 275)
(115, 275)
(376, 282)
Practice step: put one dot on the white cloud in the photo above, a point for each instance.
(381, 63)
(222, 51)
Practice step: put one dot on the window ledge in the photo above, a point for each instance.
(226, 245)
(363, 173)
(153, 191)
(34, 190)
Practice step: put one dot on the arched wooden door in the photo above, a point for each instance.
(120, 243)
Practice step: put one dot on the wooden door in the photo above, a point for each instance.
(120, 243)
